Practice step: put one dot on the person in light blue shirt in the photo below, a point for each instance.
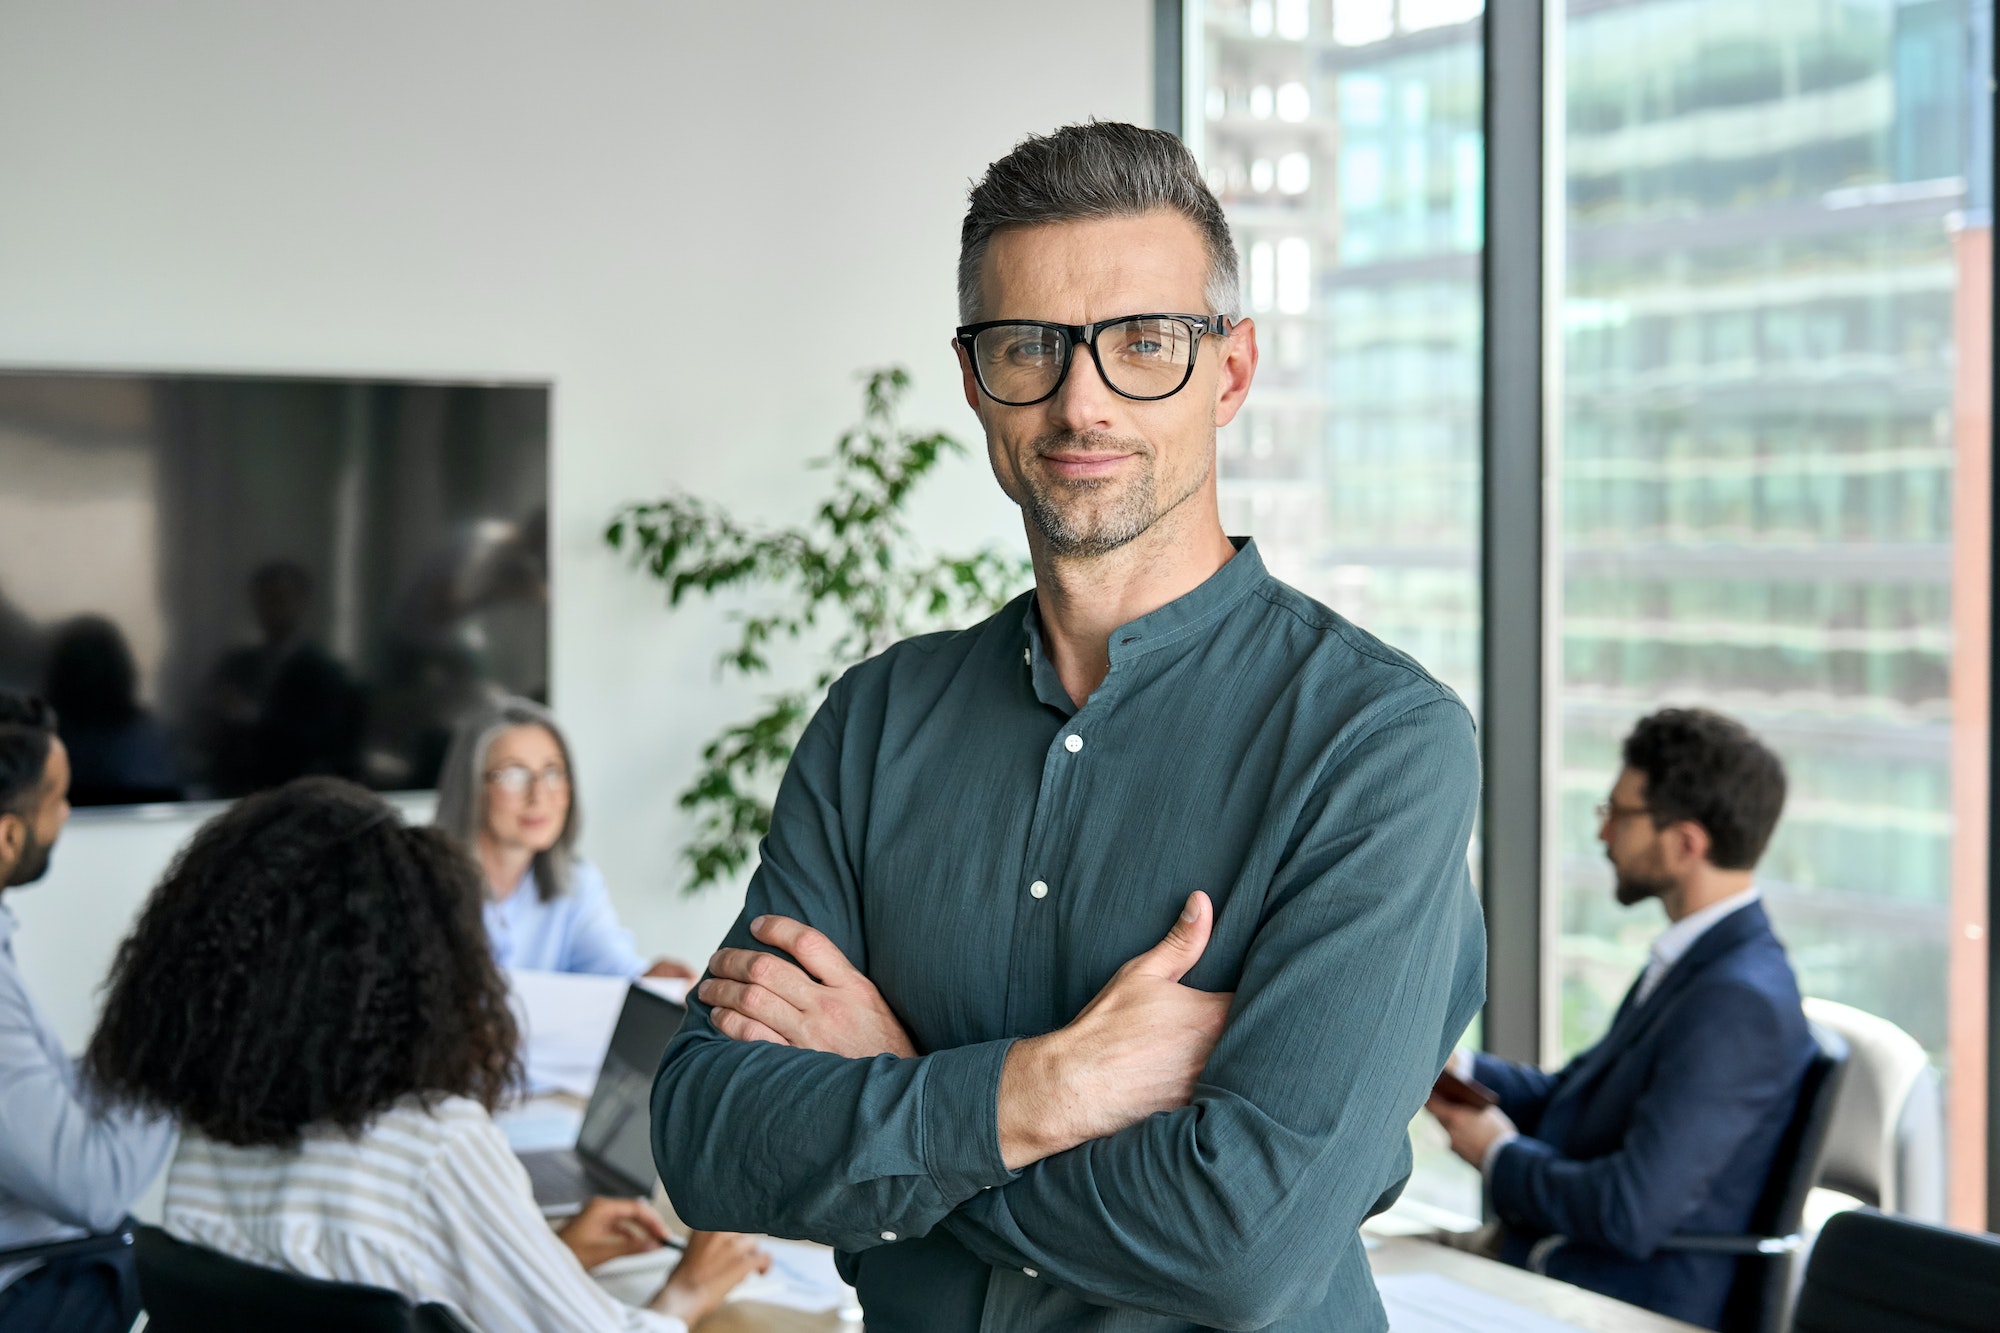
(508, 793)
(68, 1167)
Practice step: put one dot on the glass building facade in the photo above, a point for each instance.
(1777, 226)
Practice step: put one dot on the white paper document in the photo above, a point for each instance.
(566, 1020)
(1429, 1303)
(802, 1277)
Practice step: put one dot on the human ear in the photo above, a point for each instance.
(13, 837)
(965, 373)
(1687, 844)
(1239, 366)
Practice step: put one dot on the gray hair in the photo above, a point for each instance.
(1102, 169)
(461, 800)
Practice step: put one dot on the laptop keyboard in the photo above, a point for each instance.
(558, 1177)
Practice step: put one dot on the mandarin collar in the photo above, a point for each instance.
(1173, 623)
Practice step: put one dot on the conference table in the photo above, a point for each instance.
(1580, 1309)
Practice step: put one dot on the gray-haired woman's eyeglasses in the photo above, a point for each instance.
(1021, 362)
(517, 779)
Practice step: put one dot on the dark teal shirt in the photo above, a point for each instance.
(989, 854)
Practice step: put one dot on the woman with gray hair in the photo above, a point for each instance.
(508, 794)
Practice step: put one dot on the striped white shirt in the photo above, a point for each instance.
(431, 1204)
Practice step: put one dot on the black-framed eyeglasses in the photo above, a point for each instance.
(1021, 362)
(1608, 810)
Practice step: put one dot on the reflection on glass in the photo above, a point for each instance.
(224, 583)
(1779, 222)
(1344, 141)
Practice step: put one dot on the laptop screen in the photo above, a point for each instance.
(616, 1131)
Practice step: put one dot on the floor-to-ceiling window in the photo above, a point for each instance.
(1344, 141)
(1770, 452)
(1774, 442)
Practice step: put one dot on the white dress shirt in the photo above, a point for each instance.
(67, 1168)
(1674, 942)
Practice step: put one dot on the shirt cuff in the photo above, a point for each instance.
(961, 1119)
(1493, 1153)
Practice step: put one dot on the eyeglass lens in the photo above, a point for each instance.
(515, 779)
(1147, 357)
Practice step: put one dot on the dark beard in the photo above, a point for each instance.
(34, 862)
(1634, 889)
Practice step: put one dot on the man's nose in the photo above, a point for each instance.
(1085, 402)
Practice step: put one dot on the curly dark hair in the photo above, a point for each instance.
(1702, 766)
(308, 960)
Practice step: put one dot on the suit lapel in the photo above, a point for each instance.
(1634, 1020)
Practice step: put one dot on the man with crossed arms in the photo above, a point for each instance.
(946, 1035)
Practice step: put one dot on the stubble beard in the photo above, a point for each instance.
(1062, 510)
(34, 863)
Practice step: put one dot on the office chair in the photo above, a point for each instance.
(1876, 1274)
(190, 1289)
(1761, 1294)
(73, 1247)
(1886, 1147)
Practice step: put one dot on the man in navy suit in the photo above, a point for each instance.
(1670, 1123)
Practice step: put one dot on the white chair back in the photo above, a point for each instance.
(1886, 1146)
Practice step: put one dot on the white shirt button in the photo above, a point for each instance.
(1027, 657)
(888, 1235)
(1031, 1272)
(1072, 743)
(1039, 889)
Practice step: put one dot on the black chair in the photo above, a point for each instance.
(189, 1289)
(1768, 1252)
(101, 1243)
(1871, 1273)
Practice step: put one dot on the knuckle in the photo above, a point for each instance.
(762, 969)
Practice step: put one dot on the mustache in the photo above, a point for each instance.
(1090, 442)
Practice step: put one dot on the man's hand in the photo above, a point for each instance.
(820, 1003)
(610, 1228)
(1138, 1047)
(1473, 1129)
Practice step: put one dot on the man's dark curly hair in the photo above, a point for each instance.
(308, 960)
(1711, 769)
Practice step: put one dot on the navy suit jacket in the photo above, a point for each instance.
(1669, 1124)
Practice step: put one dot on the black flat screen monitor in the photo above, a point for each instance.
(224, 582)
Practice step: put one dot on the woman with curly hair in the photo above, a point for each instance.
(311, 995)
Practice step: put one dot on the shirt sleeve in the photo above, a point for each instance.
(750, 1136)
(60, 1154)
(598, 941)
(1235, 1211)
(515, 1274)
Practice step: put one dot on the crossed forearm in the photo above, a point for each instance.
(1137, 1047)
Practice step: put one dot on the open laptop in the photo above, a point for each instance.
(614, 1151)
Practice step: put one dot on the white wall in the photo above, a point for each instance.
(632, 199)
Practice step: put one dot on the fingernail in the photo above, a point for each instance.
(758, 924)
(1190, 912)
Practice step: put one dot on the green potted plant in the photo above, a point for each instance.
(851, 581)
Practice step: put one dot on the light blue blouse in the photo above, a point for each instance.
(577, 932)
